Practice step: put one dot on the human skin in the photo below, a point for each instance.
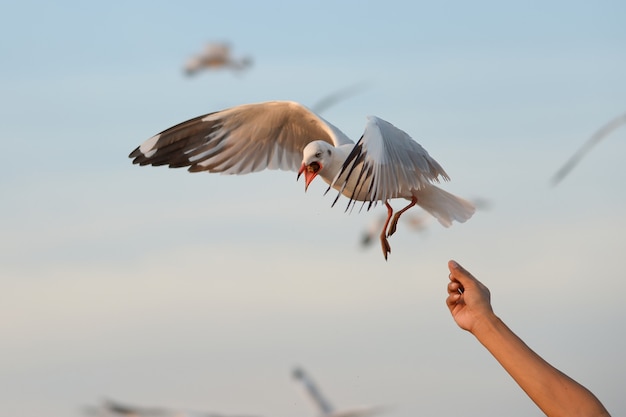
(555, 393)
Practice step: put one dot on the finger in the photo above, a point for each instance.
(455, 287)
(453, 299)
(460, 289)
(458, 273)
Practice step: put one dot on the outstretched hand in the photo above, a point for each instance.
(468, 300)
(555, 393)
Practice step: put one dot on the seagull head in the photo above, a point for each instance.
(314, 156)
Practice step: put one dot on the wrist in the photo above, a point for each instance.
(487, 324)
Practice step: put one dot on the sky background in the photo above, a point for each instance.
(158, 287)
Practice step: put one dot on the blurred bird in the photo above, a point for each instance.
(216, 56)
(110, 408)
(324, 406)
(384, 164)
(603, 132)
(337, 96)
(417, 222)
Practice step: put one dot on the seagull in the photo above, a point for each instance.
(384, 164)
(110, 408)
(337, 96)
(593, 140)
(416, 221)
(215, 56)
(324, 407)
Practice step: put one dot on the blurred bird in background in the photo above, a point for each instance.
(110, 408)
(323, 406)
(339, 95)
(416, 221)
(603, 132)
(216, 56)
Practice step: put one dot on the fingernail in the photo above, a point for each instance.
(455, 264)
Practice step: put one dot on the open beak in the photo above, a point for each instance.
(310, 172)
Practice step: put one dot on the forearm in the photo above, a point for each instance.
(554, 392)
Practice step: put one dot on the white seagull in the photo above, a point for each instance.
(324, 406)
(384, 164)
(603, 132)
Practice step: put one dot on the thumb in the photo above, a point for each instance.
(460, 274)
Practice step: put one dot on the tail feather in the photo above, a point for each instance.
(444, 206)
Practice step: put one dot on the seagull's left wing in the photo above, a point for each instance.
(385, 163)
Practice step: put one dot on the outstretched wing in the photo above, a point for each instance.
(339, 95)
(240, 140)
(385, 163)
(313, 392)
(591, 142)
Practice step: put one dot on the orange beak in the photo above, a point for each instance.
(310, 172)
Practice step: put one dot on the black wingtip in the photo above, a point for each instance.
(135, 153)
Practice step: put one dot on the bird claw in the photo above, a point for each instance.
(386, 246)
(394, 225)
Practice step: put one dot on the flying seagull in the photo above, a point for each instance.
(324, 406)
(337, 96)
(591, 142)
(416, 221)
(216, 56)
(384, 164)
(110, 408)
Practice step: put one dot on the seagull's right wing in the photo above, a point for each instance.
(385, 163)
(240, 140)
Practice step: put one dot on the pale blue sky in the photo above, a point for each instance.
(159, 287)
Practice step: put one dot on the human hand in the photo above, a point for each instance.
(469, 301)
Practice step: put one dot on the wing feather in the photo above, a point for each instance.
(240, 140)
(590, 143)
(385, 163)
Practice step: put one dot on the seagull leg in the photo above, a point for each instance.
(394, 222)
(383, 234)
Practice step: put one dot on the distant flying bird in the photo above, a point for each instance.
(337, 96)
(216, 56)
(110, 408)
(416, 221)
(384, 164)
(591, 142)
(324, 407)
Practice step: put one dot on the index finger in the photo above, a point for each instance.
(455, 287)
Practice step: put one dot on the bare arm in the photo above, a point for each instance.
(555, 393)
